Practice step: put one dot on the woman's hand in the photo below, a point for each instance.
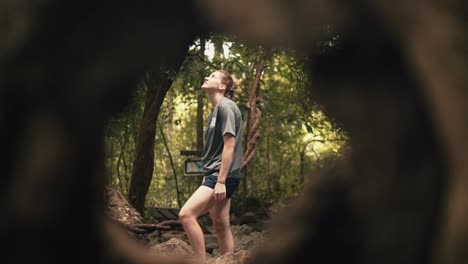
(219, 191)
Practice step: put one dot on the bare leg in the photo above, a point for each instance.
(200, 202)
(219, 214)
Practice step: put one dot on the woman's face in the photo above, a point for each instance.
(213, 81)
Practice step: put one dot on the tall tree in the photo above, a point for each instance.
(218, 43)
(200, 97)
(157, 84)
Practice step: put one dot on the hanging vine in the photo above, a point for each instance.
(255, 113)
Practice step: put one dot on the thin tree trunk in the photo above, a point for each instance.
(253, 183)
(124, 186)
(200, 98)
(111, 167)
(172, 165)
(119, 177)
(170, 112)
(301, 168)
(124, 162)
(245, 168)
(218, 50)
(268, 157)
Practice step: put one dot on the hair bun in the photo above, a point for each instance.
(235, 82)
(231, 83)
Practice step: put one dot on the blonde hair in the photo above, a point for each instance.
(231, 83)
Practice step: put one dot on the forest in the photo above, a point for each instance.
(296, 137)
(355, 130)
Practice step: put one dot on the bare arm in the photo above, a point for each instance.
(227, 156)
(226, 161)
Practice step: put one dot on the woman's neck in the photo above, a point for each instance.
(215, 98)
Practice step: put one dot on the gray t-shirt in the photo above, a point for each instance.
(224, 118)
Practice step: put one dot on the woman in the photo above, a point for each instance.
(222, 161)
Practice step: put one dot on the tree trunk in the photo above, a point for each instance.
(117, 166)
(218, 50)
(157, 84)
(200, 99)
(270, 160)
(301, 169)
(245, 168)
(179, 203)
(124, 161)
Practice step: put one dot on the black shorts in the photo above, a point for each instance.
(231, 184)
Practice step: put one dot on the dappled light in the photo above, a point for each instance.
(291, 126)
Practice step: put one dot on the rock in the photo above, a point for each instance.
(168, 235)
(249, 242)
(248, 218)
(211, 239)
(211, 243)
(173, 247)
(234, 219)
(211, 247)
(241, 230)
(238, 257)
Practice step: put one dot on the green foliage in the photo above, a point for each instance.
(292, 125)
(120, 141)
